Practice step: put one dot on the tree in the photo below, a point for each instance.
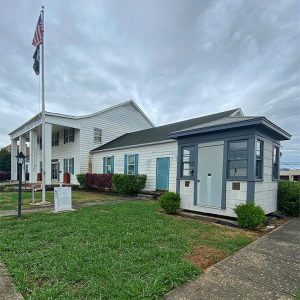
(5, 160)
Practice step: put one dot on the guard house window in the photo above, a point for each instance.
(188, 162)
(108, 165)
(55, 139)
(97, 135)
(275, 162)
(259, 159)
(68, 135)
(237, 159)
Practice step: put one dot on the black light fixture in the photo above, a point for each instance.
(20, 161)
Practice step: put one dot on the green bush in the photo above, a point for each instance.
(128, 184)
(81, 179)
(250, 215)
(170, 202)
(289, 198)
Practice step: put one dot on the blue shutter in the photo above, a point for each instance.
(73, 134)
(64, 136)
(104, 165)
(73, 166)
(112, 165)
(125, 164)
(65, 166)
(136, 164)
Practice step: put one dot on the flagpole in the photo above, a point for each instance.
(43, 116)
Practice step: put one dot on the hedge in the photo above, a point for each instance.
(99, 182)
(129, 184)
(4, 176)
(289, 198)
(170, 202)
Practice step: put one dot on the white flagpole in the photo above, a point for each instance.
(43, 117)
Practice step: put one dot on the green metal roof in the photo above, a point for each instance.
(160, 133)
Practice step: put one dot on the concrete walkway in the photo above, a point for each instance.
(269, 268)
(7, 289)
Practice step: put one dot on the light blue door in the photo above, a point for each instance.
(162, 173)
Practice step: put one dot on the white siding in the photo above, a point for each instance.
(114, 123)
(147, 161)
(233, 198)
(266, 191)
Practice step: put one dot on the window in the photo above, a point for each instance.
(69, 165)
(275, 162)
(188, 162)
(68, 135)
(108, 165)
(237, 159)
(55, 139)
(97, 135)
(131, 164)
(259, 159)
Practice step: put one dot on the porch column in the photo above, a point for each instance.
(22, 148)
(33, 156)
(48, 154)
(13, 153)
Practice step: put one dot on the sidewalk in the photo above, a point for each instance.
(7, 289)
(269, 268)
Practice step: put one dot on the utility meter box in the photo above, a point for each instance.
(62, 198)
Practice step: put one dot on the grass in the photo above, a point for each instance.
(123, 251)
(9, 200)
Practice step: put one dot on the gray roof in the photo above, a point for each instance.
(161, 133)
(224, 121)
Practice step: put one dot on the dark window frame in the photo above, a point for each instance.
(190, 162)
(275, 162)
(55, 139)
(239, 177)
(97, 135)
(259, 159)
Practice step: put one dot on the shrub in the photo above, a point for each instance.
(99, 182)
(170, 202)
(4, 175)
(250, 215)
(81, 179)
(289, 198)
(129, 184)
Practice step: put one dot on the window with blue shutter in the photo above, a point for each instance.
(108, 165)
(131, 164)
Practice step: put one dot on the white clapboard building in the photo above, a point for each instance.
(69, 139)
(214, 162)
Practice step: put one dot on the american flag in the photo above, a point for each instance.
(38, 35)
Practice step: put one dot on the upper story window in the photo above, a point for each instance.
(237, 159)
(108, 165)
(276, 162)
(97, 135)
(259, 159)
(55, 139)
(131, 164)
(68, 135)
(188, 162)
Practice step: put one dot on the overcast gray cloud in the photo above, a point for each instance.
(176, 59)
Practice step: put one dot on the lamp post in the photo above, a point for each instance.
(20, 160)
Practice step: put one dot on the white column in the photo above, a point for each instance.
(22, 148)
(33, 156)
(48, 154)
(13, 153)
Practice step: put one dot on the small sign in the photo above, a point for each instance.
(62, 198)
(236, 186)
(186, 183)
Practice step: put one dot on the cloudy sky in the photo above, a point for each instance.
(176, 58)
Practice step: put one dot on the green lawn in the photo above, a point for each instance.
(9, 200)
(123, 251)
